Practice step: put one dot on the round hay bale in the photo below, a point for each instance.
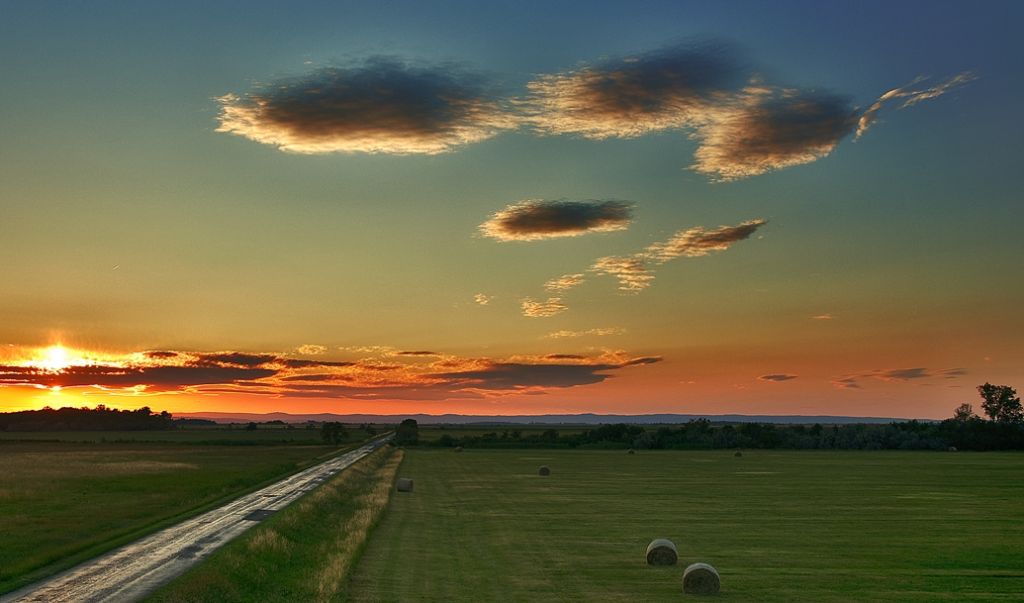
(701, 579)
(631, 451)
(662, 551)
(544, 470)
(404, 484)
(952, 448)
(458, 449)
(738, 454)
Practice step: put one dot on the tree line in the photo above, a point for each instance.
(1002, 430)
(100, 418)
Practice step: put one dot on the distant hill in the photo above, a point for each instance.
(581, 419)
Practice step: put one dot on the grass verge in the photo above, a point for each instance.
(304, 552)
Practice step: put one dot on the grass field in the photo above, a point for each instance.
(303, 553)
(201, 435)
(779, 526)
(62, 502)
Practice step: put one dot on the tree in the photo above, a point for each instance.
(1001, 404)
(407, 432)
(333, 432)
(964, 413)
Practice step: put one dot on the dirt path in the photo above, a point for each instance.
(137, 569)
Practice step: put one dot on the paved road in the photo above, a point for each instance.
(137, 569)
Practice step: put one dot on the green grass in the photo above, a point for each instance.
(304, 552)
(192, 435)
(63, 502)
(779, 526)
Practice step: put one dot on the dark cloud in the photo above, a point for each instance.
(897, 375)
(381, 106)
(777, 377)
(438, 378)
(514, 375)
(298, 363)
(234, 358)
(766, 130)
(669, 88)
(160, 354)
(744, 126)
(536, 219)
(162, 377)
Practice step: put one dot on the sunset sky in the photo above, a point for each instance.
(511, 208)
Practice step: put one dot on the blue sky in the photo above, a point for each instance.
(134, 225)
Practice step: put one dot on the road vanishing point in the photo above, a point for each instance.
(137, 569)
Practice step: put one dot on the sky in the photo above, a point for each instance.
(510, 207)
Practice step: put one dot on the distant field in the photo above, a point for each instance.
(779, 526)
(64, 501)
(192, 435)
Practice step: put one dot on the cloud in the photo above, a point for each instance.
(777, 377)
(535, 219)
(822, 317)
(699, 241)
(602, 332)
(482, 299)
(383, 105)
(311, 349)
(235, 358)
(896, 375)
(543, 309)
(413, 375)
(635, 273)
(744, 125)
(910, 98)
(669, 88)
(564, 282)
(769, 129)
(515, 376)
(631, 272)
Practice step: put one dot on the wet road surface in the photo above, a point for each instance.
(135, 570)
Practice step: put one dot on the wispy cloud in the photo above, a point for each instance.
(383, 105)
(311, 349)
(564, 282)
(543, 309)
(896, 375)
(535, 219)
(777, 377)
(635, 272)
(601, 332)
(910, 98)
(822, 317)
(482, 299)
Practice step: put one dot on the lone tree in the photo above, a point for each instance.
(333, 432)
(1001, 404)
(964, 413)
(408, 432)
